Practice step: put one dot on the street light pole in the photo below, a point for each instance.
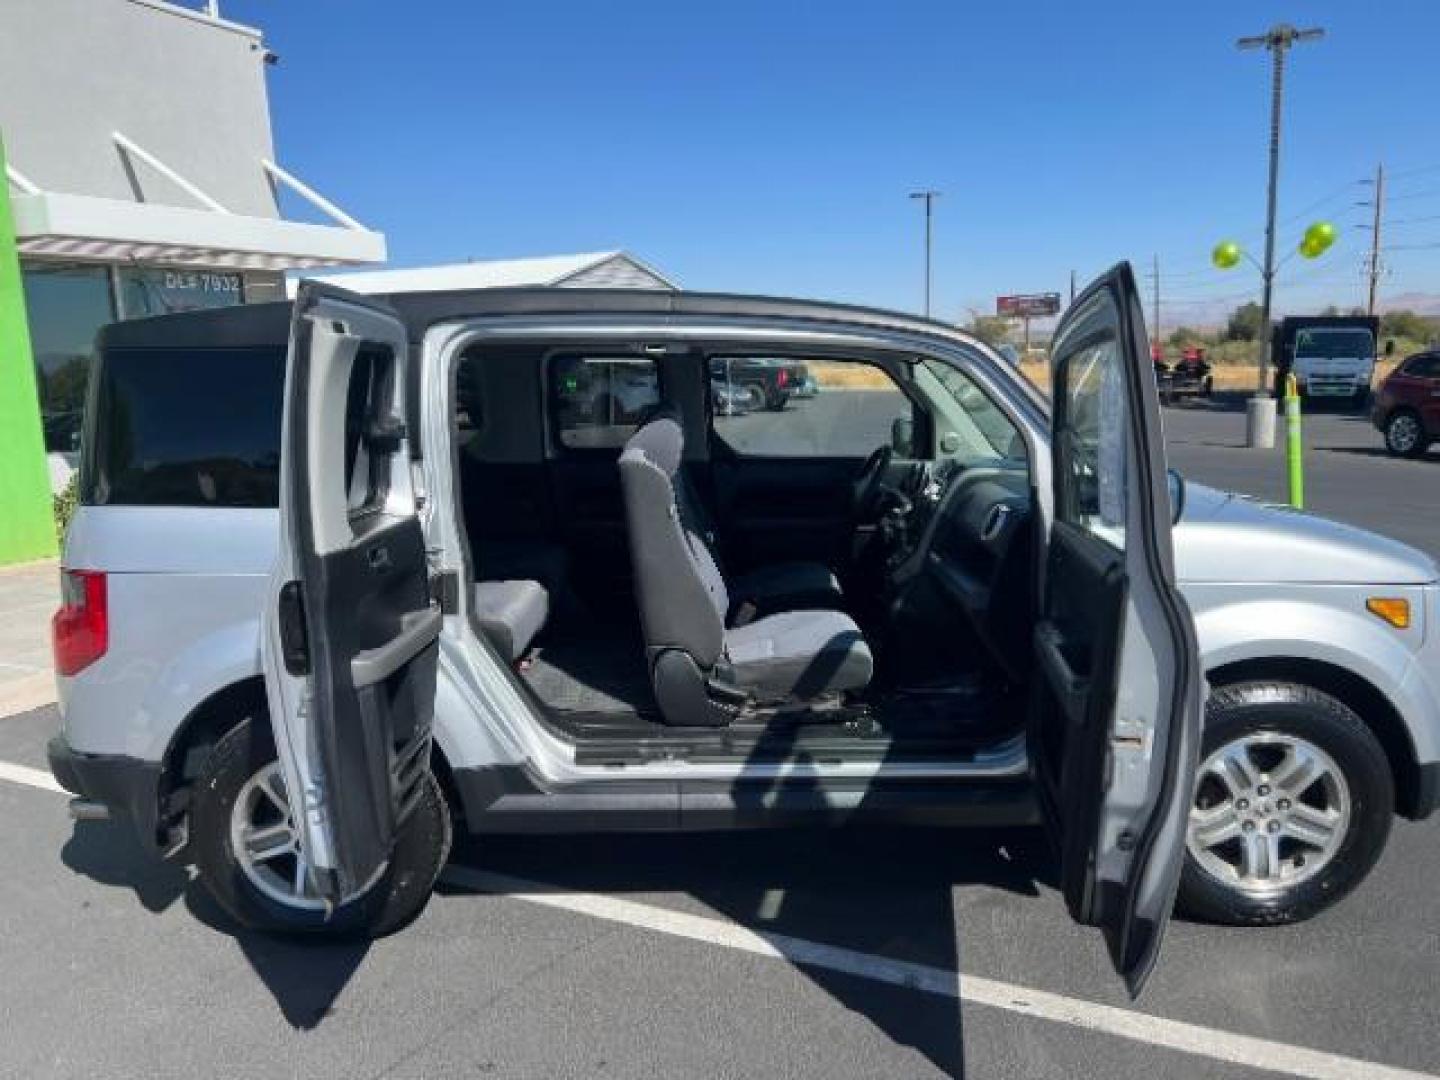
(929, 197)
(1260, 410)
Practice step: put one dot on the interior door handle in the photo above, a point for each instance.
(417, 630)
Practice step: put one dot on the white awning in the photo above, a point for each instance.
(86, 227)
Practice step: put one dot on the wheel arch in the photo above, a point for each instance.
(209, 721)
(1366, 700)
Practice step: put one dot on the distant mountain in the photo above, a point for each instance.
(1419, 302)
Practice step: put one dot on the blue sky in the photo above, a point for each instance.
(769, 147)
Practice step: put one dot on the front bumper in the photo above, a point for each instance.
(127, 786)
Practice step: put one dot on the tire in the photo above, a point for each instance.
(1405, 434)
(391, 902)
(1271, 716)
(755, 396)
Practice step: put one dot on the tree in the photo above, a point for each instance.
(1183, 336)
(991, 329)
(1244, 323)
(1406, 324)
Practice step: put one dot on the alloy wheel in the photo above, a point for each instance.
(1270, 811)
(1403, 433)
(266, 843)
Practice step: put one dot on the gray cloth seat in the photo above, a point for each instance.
(510, 614)
(790, 586)
(696, 658)
(799, 654)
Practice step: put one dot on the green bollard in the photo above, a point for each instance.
(1294, 445)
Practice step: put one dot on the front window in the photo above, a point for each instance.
(766, 406)
(971, 427)
(1334, 344)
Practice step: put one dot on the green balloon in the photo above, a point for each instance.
(1322, 233)
(1226, 254)
(1311, 248)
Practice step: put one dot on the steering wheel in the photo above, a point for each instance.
(870, 482)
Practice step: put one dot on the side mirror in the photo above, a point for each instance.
(902, 437)
(1176, 483)
(1390, 346)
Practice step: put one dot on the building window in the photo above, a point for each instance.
(158, 290)
(66, 305)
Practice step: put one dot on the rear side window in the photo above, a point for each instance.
(186, 427)
(1423, 367)
(598, 401)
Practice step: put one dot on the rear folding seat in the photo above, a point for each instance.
(510, 614)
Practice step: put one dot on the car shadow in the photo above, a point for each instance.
(110, 854)
(1378, 452)
(880, 892)
(304, 977)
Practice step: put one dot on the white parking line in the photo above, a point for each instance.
(1213, 1043)
(1245, 1050)
(37, 778)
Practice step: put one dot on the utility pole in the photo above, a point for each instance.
(1072, 286)
(929, 197)
(1373, 270)
(1260, 410)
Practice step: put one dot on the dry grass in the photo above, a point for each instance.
(1230, 376)
(838, 375)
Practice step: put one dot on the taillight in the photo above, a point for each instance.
(80, 631)
(783, 377)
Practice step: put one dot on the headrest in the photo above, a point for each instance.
(660, 442)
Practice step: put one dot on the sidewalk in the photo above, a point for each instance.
(29, 595)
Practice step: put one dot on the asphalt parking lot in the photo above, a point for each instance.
(916, 953)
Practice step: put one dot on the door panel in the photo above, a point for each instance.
(352, 638)
(1116, 717)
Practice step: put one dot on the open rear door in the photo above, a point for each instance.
(351, 641)
(1116, 718)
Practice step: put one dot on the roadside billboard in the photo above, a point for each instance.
(1028, 305)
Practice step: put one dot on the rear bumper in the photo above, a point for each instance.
(128, 786)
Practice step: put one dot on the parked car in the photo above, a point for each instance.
(805, 384)
(768, 381)
(727, 399)
(306, 627)
(1407, 408)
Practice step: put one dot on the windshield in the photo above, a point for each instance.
(1334, 344)
(979, 429)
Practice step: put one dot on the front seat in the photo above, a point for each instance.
(786, 586)
(703, 667)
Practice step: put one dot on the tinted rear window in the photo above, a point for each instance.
(187, 427)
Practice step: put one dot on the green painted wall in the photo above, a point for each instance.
(27, 522)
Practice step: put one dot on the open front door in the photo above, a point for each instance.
(1116, 720)
(351, 640)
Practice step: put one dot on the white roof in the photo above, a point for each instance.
(613, 268)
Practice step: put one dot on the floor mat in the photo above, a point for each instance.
(591, 676)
